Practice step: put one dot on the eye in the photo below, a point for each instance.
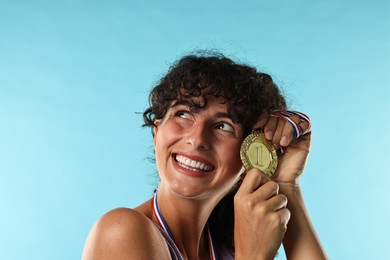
(183, 114)
(184, 118)
(225, 127)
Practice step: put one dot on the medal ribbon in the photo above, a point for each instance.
(298, 131)
(285, 114)
(164, 226)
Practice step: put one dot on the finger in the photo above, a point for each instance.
(279, 131)
(277, 202)
(270, 127)
(288, 133)
(254, 178)
(305, 127)
(266, 191)
(284, 216)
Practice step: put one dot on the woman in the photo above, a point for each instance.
(206, 205)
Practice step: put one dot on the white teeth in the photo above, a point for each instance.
(198, 165)
(191, 164)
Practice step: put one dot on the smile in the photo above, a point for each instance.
(192, 165)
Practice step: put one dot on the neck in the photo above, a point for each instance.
(186, 220)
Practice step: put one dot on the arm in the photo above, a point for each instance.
(261, 214)
(301, 240)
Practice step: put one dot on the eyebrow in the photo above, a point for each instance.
(222, 115)
(190, 104)
(181, 102)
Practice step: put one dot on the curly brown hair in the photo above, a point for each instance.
(248, 93)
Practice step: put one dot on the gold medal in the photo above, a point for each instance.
(258, 152)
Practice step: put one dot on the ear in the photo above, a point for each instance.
(155, 130)
(156, 123)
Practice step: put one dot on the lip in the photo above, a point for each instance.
(189, 172)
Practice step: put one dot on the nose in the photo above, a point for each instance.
(199, 137)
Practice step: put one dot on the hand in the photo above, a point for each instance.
(281, 133)
(260, 216)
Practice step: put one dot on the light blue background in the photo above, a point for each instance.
(74, 74)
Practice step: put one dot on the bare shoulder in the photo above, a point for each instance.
(125, 234)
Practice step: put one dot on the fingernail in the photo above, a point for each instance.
(269, 135)
(284, 141)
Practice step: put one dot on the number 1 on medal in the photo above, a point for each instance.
(259, 160)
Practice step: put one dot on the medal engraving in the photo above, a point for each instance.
(258, 152)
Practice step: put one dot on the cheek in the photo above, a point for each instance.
(233, 159)
(161, 144)
(165, 136)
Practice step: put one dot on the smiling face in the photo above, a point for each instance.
(197, 152)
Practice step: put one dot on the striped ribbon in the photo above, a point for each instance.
(163, 225)
(298, 131)
(285, 114)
